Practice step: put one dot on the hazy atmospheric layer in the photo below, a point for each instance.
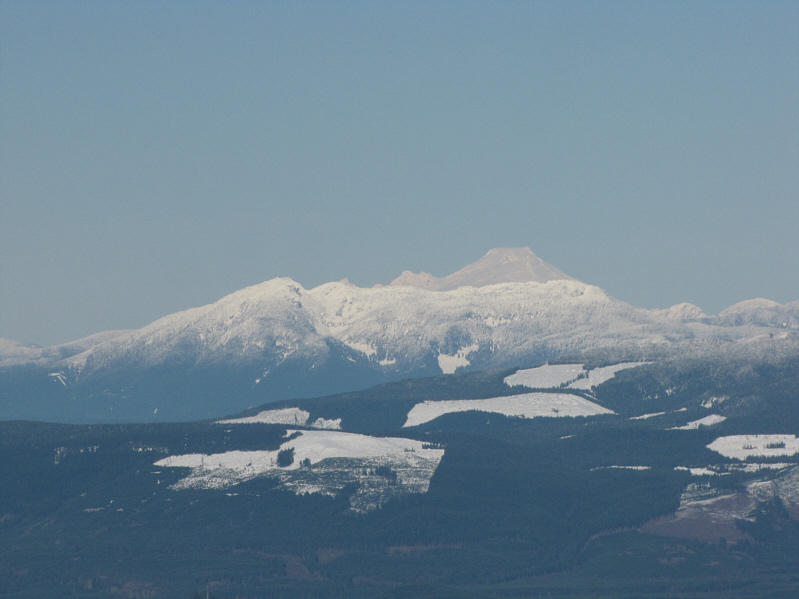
(156, 156)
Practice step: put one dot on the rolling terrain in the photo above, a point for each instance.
(601, 475)
(506, 431)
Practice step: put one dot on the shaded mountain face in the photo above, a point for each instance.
(500, 265)
(278, 340)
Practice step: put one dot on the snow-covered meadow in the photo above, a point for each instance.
(449, 364)
(573, 376)
(527, 405)
(638, 468)
(742, 446)
(597, 376)
(647, 416)
(324, 462)
(548, 376)
(290, 416)
(706, 421)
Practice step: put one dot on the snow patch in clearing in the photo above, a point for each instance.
(706, 421)
(546, 376)
(324, 462)
(759, 467)
(449, 364)
(573, 376)
(743, 446)
(622, 468)
(366, 349)
(59, 376)
(714, 401)
(597, 376)
(327, 424)
(527, 405)
(698, 471)
(291, 416)
(645, 416)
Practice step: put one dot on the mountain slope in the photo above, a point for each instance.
(278, 340)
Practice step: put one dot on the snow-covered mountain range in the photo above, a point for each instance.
(508, 309)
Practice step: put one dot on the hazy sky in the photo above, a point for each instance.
(157, 156)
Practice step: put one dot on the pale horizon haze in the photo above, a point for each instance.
(157, 156)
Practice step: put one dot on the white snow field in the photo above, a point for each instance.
(327, 424)
(526, 405)
(546, 376)
(758, 467)
(647, 416)
(698, 471)
(573, 376)
(334, 459)
(706, 421)
(639, 468)
(743, 446)
(290, 416)
(449, 364)
(722, 469)
(597, 376)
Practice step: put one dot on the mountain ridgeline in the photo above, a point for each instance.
(277, 341)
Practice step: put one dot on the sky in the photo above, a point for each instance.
(157, 156)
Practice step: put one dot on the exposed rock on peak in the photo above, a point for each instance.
(500, 265)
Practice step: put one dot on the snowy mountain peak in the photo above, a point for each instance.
(761, 312)
(683, 312)
(500, 265)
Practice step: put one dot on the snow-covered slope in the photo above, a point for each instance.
(279, 335)
(277, 318)
(684, 312)
(390, 328)
(292, 416)
(526, 405)
(743, 446)
(396, 329)
(479, 322)
(13, 353)
(322, 462)
(760, 312)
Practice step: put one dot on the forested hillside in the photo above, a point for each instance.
(517, 506)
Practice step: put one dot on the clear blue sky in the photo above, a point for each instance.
(155, 156)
